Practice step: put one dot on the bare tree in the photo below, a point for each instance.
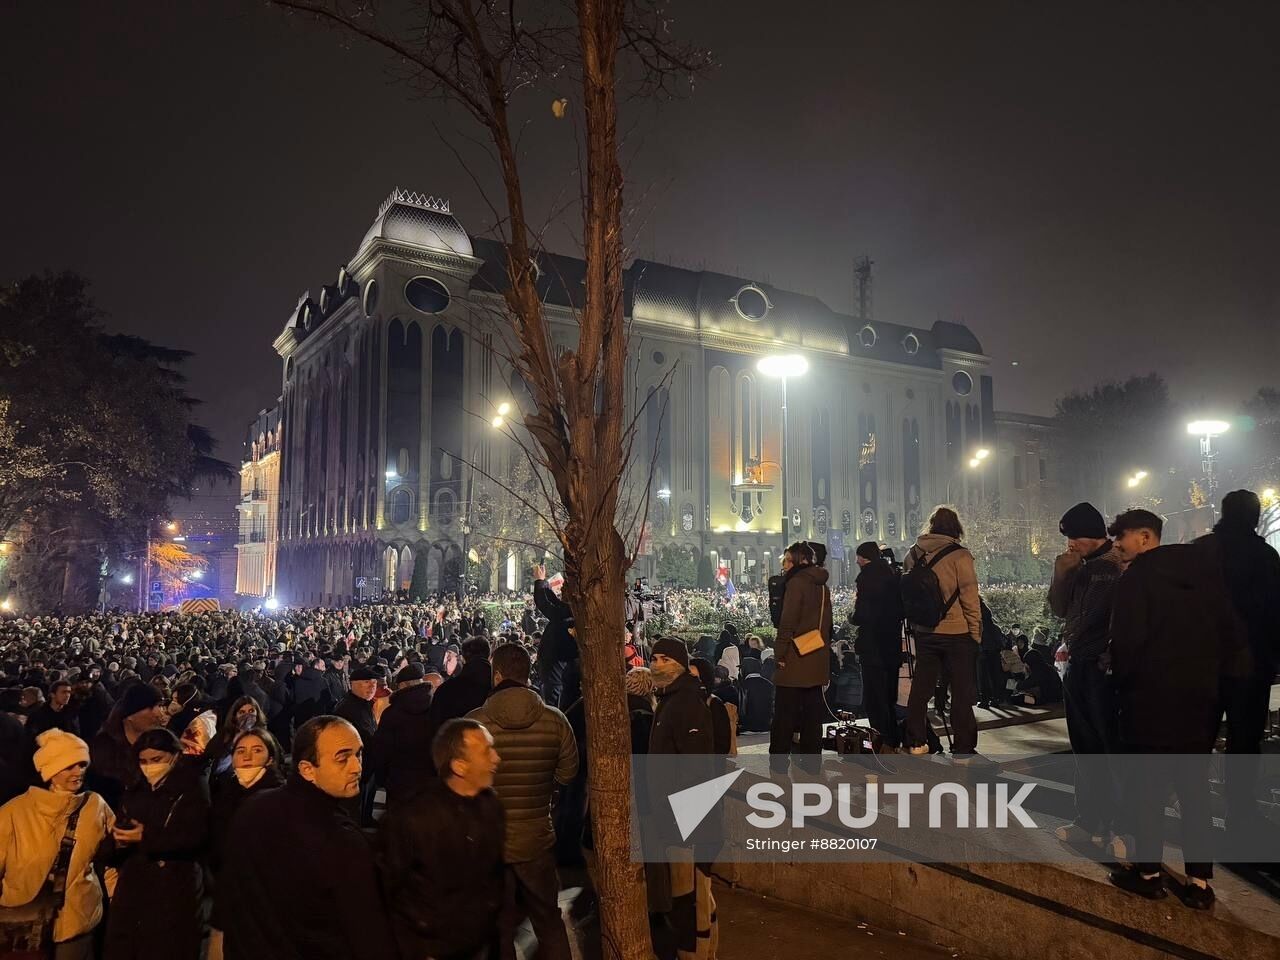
(479, 54)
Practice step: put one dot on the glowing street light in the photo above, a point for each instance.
(171, 526)
(197, 574)
(126, 578)
(1206, 430)
(498, 421)
(504, 408)
(1269, 495)
(981, 453)
(664, 494)
(782, 366)
(271, 603)
(392, 475)
(1137, 478)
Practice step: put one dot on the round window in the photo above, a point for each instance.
(659, 357)
(324, 303)
(867, 336)
(751, 303)
(426, 294)
(370, 297)
(962, 383)
(911, 344)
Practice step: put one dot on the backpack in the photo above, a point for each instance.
(922, 594)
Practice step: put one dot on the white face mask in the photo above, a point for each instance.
(155, 772)
(248, 776)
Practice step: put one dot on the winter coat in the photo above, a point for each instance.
(157, 908)
(112, 766)
(558, 645)
(442, 867)
(1173, 638)
(359, 713)
(1251, 570)
(31, 830)
(45, 718)
(401, 755)
(806, 605)
(954, 570)
(15, 758)
(755, 714)
(777, 585)
(463, 692)
(877, 613)
(682, 721)
(298, 881)
(1082, 593)
(537, 751)
(311, 696)
(227, 799)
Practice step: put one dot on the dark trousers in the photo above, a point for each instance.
(533, 891)
(880, 699)
(1147, 781)
(1245, 701)
(797, 710)
(1091, 726)
(991, 677)
(957, 654)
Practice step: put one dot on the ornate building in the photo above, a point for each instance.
(390, 381)
(259, 507)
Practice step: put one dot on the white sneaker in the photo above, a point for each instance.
(1120, 846)
(919, 751)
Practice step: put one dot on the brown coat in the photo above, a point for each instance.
(805, 599)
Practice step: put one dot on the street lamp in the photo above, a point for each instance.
(497, 423)
(1137, 478)
(782, 366)
(1206, 430)
(975, 461)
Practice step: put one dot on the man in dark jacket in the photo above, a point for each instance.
(682, 724)
(59, 711)
(538, 752)
(1172, 640)
(1083, 587)
(442, 854)
(877, 613)
(798, 706)
(296, 846)
(755, 715)
(558, 652)
(311, 697)
(357, 709)
(468, 688)
(1251, 571)
(401, 758)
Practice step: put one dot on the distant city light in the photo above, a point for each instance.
(391, 474)
(974, 461)
(6, 604)
(197, 574)
(783, 365)
(171, 526)
(1207, 428)
(126, 579)
(498, 422)
(1137, 478)
(1268, 494)
(982, 453)
(179, 539)
(664, 494)
(271, 603)
(503, 409)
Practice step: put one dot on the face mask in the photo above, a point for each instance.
(248, 721)
(155, 772)
(248, 776)
(174, 708)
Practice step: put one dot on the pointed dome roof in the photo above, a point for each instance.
(418, 220)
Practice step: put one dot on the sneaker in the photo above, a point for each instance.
(1120, 846)
(1132, 881)
(917, 751)
(1194, 896)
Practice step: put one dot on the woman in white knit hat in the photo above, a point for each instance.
(33, 827)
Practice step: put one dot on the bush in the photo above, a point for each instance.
(1024, 605)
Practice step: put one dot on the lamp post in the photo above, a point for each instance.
(783, 366)
(1136, 479)
(496, 423)
(979, 457)
(1206, 430)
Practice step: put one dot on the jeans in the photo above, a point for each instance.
(799, 710)
(533, 890)
(958, 655)
(880, 698)
(1146, 786)
(1091, 726)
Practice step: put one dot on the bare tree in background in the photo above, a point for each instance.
(480, 54)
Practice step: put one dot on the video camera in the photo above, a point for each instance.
(650, 601)
(845, 737)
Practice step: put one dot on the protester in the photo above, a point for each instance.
(798, 707)
(469, 688)
(558, 653)
(537, 751)
(1173, 640)
(877, 613)
(114, 767)
(724, 717)
(298, 846)
(443, 854)
(55, 831)
(60, 712)
(401, 754)
(357, 708)
(161, 835)
(951, 642)
(755, 714)
(1082, 593)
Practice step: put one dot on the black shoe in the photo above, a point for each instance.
(1132, 881)
(1195, 897)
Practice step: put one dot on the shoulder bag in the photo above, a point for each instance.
(812, 640)
(26, 932)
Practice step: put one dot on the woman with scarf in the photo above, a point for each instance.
(35, 829)
(160, 837)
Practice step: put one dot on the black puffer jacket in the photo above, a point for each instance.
(1082, 595)
(401, 757)
(1173, 637)
(537, 751)
(463, 692)
(877, 613)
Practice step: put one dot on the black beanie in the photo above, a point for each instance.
(1083, 521)
(869, 550)
(139, 697)
(673, 648)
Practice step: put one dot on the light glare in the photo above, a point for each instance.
(783, 365)
(1207, 428)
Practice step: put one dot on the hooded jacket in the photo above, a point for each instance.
(537, 750)
(877, 613)
(31, 829)
(401, 755)
(1172, 639)
(1251, 570)
(1083, 594)
(954, 570)
(806, 605)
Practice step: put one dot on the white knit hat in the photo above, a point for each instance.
(57, 750)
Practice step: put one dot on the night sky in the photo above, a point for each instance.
(1094, 190)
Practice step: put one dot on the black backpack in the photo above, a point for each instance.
(922, 601)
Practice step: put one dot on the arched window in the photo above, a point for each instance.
(401, 505)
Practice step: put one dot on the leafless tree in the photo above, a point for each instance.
(479, 55)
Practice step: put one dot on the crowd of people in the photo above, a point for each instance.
(187, 785)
